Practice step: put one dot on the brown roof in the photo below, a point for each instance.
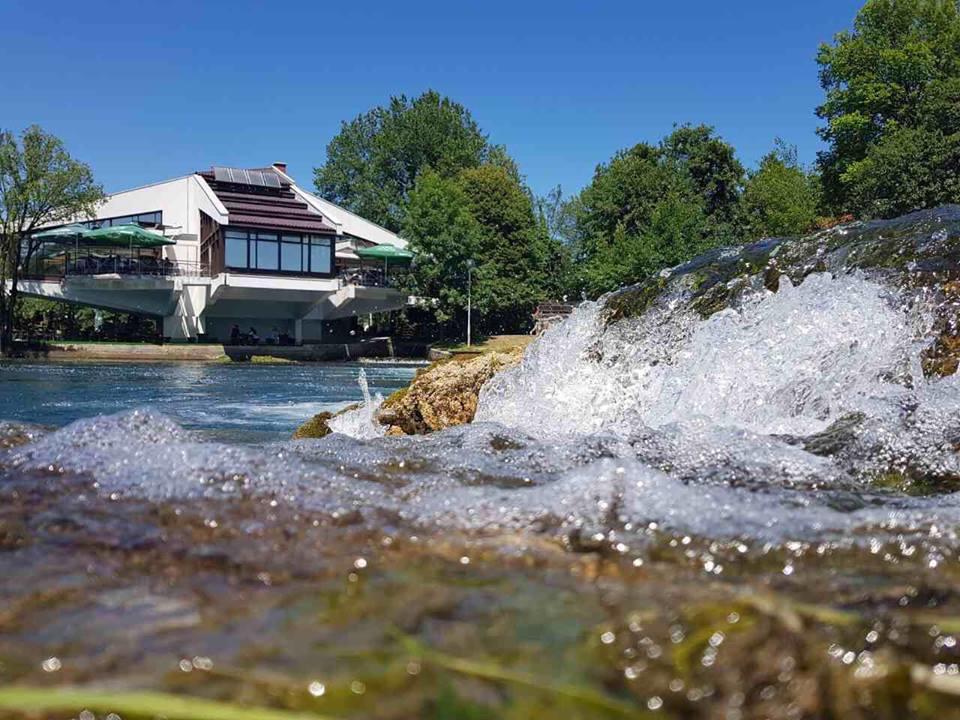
(267, 207)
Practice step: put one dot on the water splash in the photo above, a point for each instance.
(361, 421)
(787, 362)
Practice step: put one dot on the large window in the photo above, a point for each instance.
(236, 250)
(320, 255)
(279, 252)
(148, 219)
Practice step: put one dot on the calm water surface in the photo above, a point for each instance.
(229, 401)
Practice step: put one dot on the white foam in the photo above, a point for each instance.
(787, 362)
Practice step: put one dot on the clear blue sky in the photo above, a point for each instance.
(145, 91)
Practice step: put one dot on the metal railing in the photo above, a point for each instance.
(124, 265)
(369, 277)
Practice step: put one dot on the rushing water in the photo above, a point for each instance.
(751, 512)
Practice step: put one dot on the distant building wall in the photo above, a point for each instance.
(180, 201)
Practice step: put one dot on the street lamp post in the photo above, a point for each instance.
(470, 266)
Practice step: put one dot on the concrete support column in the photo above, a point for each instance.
(298, 331)
(187, 321)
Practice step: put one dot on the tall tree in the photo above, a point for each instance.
(652, 206)
(40, 184)
(486, 216)
(780, 197)
(375, 160)
(712, 165)
(892, 92)
(445, 235)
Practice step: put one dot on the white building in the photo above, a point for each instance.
(252, 250)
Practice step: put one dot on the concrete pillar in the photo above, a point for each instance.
(187, 321)
(298, 331)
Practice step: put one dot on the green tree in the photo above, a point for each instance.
(40, 184)
(892, 88)
(711, 163)
(445, 235)
(651, 207)
(908, 169)
(780, 197)
(375, 160)
(485, 215)
(512, 254)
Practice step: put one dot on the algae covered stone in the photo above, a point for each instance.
(318, 426)
(315, 427)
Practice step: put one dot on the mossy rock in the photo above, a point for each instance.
(919, 250)
(315, 427)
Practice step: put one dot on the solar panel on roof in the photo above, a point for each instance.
(239, 176)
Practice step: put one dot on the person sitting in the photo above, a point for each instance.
(254, 338)
(274, 338)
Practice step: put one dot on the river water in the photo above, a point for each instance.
(747, 515)
(230, 401)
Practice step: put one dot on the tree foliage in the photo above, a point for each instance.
(424, 168)
(375, 160)
(40, 184)
(654, 206)
(486, 216)
(780, 198)
(892, 90)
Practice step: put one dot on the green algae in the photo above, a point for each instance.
(315, 427)
(31, 700)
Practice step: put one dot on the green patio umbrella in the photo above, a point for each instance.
(387, 253)
(132, 236)
(66, 234)
(63, 235)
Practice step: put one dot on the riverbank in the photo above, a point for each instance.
(384, 348)
(377, 348)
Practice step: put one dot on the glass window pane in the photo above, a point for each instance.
(236, 252)
(267, 255)
(291, 238)
(290, 258)
(320, 258)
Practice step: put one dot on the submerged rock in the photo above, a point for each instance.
(13, 434)
(315, 427)
(443, 395)
(318, 426)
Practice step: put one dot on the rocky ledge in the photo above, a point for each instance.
(444, 394)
